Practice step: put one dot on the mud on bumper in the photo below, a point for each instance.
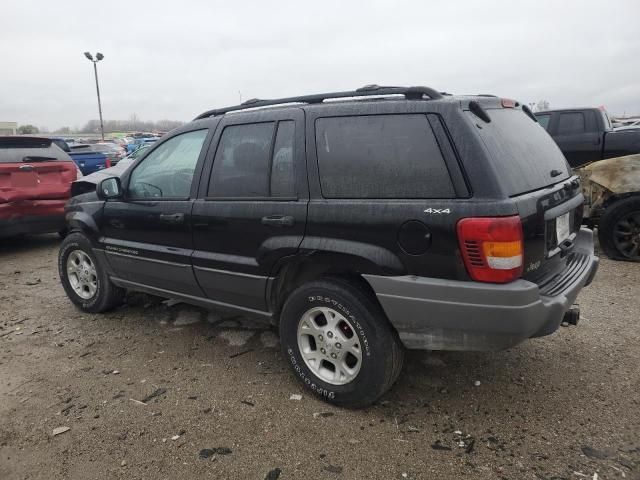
(438, 314)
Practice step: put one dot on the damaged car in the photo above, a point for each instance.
(35, 183)
(360, 223)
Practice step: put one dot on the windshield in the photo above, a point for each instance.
(525, 156)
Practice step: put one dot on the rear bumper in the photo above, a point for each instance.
(438, 314)
(31, 216)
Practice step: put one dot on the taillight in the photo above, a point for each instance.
(107, 163)
(492, 248)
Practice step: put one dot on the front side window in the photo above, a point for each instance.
(168, 170)
(249, 164)
(380, 156)
(571, 123)
(543, 120)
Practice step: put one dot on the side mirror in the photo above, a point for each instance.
(109, 188)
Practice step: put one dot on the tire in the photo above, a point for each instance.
(619, 218)
(103, 295)
(355, 312)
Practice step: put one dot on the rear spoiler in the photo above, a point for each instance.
(25, 142)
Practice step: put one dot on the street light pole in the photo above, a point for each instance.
(99, 57)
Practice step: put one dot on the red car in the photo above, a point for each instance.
(35, 184)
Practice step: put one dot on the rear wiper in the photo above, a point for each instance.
(36, 158)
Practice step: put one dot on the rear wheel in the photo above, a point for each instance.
(619, 230)
(339, 342)
(84, 279)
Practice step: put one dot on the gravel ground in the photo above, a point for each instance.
(565, 406)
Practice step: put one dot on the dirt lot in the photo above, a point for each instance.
(564, 406)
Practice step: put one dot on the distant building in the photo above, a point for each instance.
(8, 128)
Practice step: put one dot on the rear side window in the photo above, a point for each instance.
(523, 154)
(544, 120)
(380, 156)
(571, 123)
(249, 164)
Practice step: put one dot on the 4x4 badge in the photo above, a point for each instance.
(438, 210)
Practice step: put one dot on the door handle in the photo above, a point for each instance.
(172, 217)
(279, 220)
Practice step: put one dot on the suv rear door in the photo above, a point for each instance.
(252, 205)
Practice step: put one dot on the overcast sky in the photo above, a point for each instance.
(173, 60)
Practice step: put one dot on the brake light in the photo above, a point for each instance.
(508, 103)
(107, 163)
(492, 248)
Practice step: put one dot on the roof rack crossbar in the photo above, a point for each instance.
(411, 93)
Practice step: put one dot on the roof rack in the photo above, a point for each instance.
(411, 93)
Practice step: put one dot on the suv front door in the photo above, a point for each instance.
(147, 234)
(251, 208)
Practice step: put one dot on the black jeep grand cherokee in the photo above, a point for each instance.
(391, 218)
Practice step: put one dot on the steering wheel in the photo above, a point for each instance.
(149, 190)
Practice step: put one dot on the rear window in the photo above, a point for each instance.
(523, 152)
(17, 153)
(380, 156)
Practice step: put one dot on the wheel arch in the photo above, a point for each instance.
(81, 222)
(298, 270)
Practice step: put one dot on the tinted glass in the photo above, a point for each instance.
(241, 165)
(543, 120)
(282, 174)
(168, 170)
(380, 156)
(524, 154)
(138, 151)
(19, 154)
(570, 123)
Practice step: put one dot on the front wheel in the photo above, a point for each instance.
(83, 277)
(339, 342)
(619, 230)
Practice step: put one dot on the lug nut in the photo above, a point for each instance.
(323, 351)
(333, 355)
(338, 345)
(330, 334)
(320, 337)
